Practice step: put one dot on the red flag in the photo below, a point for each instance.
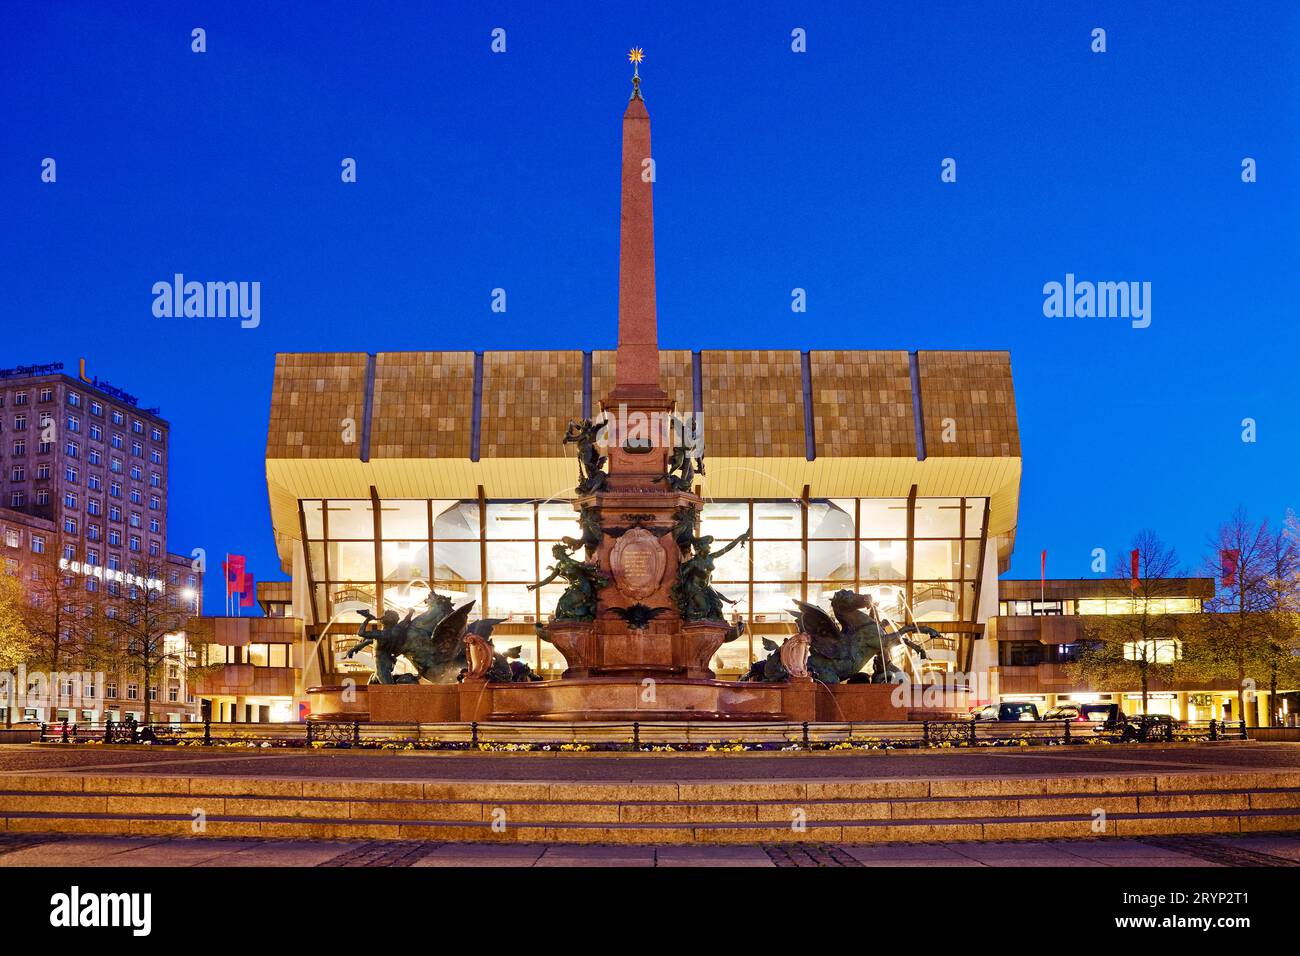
(1133, 561)
(1228, 558)
(1042, 561)
(248, 591)
(233, 568)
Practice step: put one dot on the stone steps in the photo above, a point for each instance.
(866, 811)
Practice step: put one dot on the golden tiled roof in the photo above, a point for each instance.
(862, 404)
(422, 404)
(862, 415)
(315, 396)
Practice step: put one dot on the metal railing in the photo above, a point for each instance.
(636, 736)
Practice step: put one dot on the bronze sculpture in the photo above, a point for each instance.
(840, 648)
(589, 523)
(584, 579)
(434, 643)
(693, 592)
(591, 463)
(682, 465)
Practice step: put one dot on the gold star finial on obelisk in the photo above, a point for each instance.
(635, 56)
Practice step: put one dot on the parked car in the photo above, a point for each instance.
(1110, 716)
(1149, 727)
(1007, 710)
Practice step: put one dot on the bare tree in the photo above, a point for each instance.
(1241, 601)
(1142, 643)
(143, 619)
(1277, 651)
(60, 615)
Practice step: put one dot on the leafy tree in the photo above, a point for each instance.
(16, 642)
(1141, 645)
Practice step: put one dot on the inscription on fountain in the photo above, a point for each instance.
(638, 562)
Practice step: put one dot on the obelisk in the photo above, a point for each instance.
(637, 398)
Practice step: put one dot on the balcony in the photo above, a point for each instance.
(1048, 629)
(246, 680)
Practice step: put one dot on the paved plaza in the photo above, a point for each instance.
(1106, 760)
(116, 852)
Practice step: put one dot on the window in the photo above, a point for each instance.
(117, 441)
(155, 479)
(93, 506)
(135, 542)
(74, 399)
(70, 551)
(43, 471)
(137, 473)
(96, 433)
(72, 449)
(1162, 651)
(18, 473)
(1020, 653)
(137, 448)
(20, 446)
(155, 526)
(93, 482)
(156, 434)
(135, 497)
(97, 408)
(114, 540)
(69, 500)
(70, 525)
(155, 503)
(74, 423)
(47, 395)
(117, 417)
(154, 548)
(115, 490)
(114, 513)
(115, 466)
(20, 423)
(17, 499)
(153, 693)
(173, 694)
(20, 398)
(92, 532)
(137, 426)
(92, 557)
(132, 691)
(13, 538)
(155, 456)
(70, 473)
(94, 457)
(135, 521)
(38, 544)
(110, 689)
(42, 497)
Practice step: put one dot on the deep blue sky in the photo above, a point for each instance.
(775, 170)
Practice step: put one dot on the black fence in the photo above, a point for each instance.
(643, 737)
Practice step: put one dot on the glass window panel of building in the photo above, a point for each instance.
(800, 551)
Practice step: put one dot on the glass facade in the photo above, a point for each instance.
(925, 552)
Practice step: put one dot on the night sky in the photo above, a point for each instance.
(775, 170)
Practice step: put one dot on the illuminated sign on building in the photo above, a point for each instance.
(104, 387)
(108, 574)
(22, 371)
